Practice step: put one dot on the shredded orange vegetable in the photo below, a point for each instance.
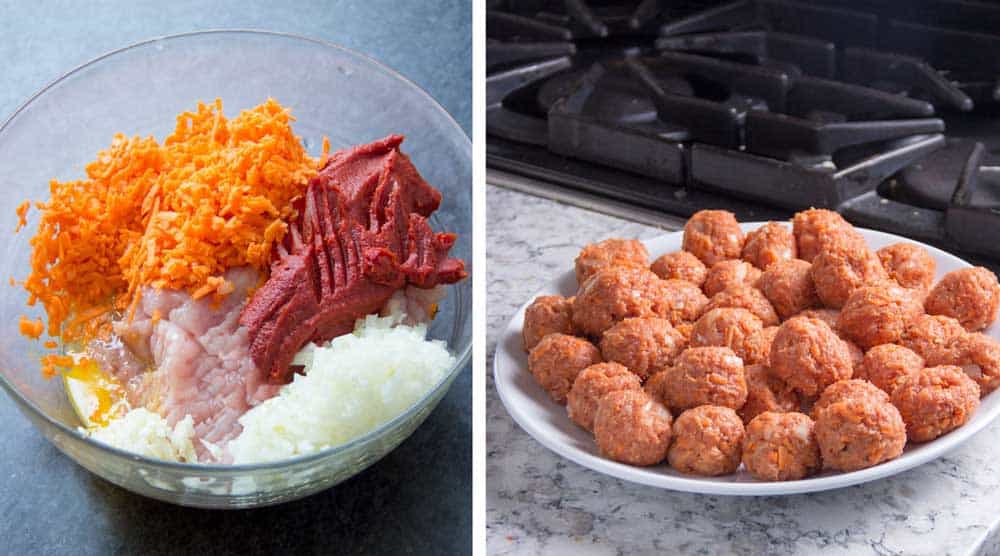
(31, 328)
(214, 195)
(22, 215)
(52, 364)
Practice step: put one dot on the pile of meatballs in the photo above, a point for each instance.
(789, 350)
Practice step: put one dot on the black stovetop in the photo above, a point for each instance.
(887, 114)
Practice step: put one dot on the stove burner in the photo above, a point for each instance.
(513, 38)
(781, 103)
(904, 75)
(502, 120)
(654, 149)
(932, 182)
(618, 99)
(501, 54)
(594, 19)
(764, 48)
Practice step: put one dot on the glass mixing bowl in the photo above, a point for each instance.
(139, 90)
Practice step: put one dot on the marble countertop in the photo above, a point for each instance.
(407, 503)
(540, 503)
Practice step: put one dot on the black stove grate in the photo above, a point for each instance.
(768, 106)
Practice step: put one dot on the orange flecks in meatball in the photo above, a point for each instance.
(557, 360)
(970, 295)
(781, 447)
(911, 266)
(769, 244)
(788, 286)
(705, 375)
(836, 273)
(809, 356)
(609, 253)
(591, 385)
(729, 273)
(878, 314)
(713, 236)
(707, 440)
(680, 265)
(631, 427)
(818, 230)
(935, 401)
(547, 314)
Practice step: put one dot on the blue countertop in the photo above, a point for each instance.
(418, 499)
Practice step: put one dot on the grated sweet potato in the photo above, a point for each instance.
(31, 328)
(214, 195)
(22, 215)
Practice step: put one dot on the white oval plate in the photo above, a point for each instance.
(548, 423)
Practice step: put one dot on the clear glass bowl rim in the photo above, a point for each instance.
(461, 358)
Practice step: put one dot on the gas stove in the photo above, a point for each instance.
(887, 114)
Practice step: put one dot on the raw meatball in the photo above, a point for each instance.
(789, 287)
(707, 441)
(935, 401)
(685, 329)
(713, 236)
(829, 316)
(728, 327)
(654, 386)
(980, 359)
(632, 427)
(879, 314)
(557, 360)
(681, 265)
(745, 297)
(818, 230)
(808, 356)
(887, 364)
(591, 385)
(838, 272)
(766, 393)
(970, 295)
(771, 243)
(617, 293)
(855, 431)
(853, 388)
(681, 301)
(608, 253)
(724, 274)
(857, 354)
(781, 447)
(911, 266)
(644, 345)
(547, 314)
(758, 346)
(705, 375)
(935, 338)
